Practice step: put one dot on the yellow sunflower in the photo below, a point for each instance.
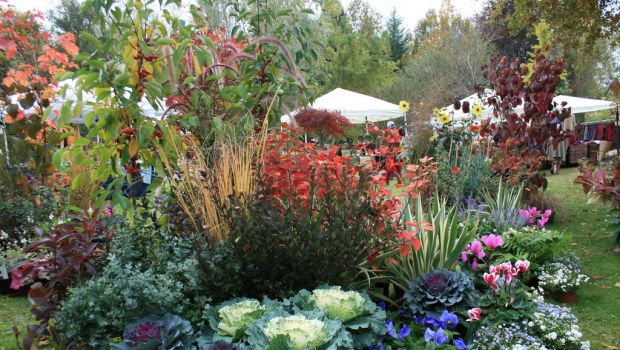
(476, 110)
(444, 118)
(404, 106)
(433, 137)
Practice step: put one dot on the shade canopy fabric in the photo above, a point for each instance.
(577, 105)
(356, 107)
(90, 101)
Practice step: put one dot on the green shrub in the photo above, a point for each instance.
(528, 243)
(147, 273)
(20, 213)
(278, 251)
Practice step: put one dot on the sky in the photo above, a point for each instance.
(411, 11)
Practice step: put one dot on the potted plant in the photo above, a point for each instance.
(562, 277)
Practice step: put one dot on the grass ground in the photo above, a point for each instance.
(14, 311)
(598, 304)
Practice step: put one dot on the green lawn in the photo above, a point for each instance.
(598, 305)
(13, 311)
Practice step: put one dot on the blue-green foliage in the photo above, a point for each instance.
(439, 290)
(169, 332)
(146, 273)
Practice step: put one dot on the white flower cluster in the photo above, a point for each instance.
(558, 277)
(558, 328)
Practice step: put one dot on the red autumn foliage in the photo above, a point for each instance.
(322, 123)
(67, 255)
(298, 175)
(520, 138)
(599, 182)
(34, 56)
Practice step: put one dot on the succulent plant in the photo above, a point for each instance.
(430, 294)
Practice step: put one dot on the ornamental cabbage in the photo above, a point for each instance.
(339, 304)
(360, 316)
(302, 331)
(431, 293)
(230, 319)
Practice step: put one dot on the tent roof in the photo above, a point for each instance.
(71, 94)
(577, 104)
(356, 107)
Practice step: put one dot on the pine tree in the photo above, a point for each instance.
(397, 36)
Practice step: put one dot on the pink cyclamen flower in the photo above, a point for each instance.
(474, 264)
(522, 265)
(493, 241)
(548, 213)
(534, 212)
(474, 314)
(476, 249)
(542, 221)
(464, 257)
(490, 279)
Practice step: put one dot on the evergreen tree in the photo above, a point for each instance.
(397, 36)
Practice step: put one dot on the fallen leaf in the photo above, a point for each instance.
(617, 284)
(605, 287)
(610, 347)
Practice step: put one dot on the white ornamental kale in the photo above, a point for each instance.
(360, 315)
(343, 305)
(239, 315)
(230, 319)
(304, 333)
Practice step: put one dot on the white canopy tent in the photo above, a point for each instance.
(356, 107)
(71, 94)
(577, 105)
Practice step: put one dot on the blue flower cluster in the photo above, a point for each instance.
(506, 336)
(436, 329)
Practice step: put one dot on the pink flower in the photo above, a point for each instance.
(493, 241)
(474, 314)
(548, 213)
(506, 267)
(542, 221)
(534, 212)
(490, 279)
(476, 249)
(17, 278)
(522, 265)
(464, 257)
(474, 265)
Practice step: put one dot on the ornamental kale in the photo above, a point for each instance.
(151, 333)
(303, 331)
(230, 319)
(432, 293)
(360, 316)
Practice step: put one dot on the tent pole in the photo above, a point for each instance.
(617, 126)
(6, 142)
(366, 125)
(405, 123)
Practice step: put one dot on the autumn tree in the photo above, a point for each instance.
(68, 17)
(34, 60)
